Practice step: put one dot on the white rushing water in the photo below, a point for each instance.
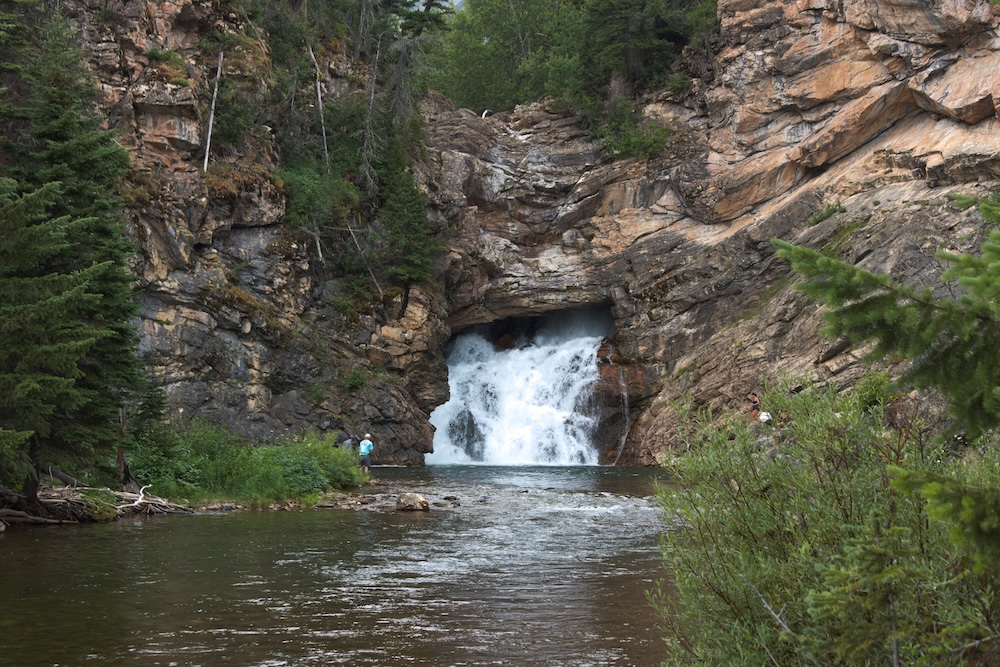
(525, 405)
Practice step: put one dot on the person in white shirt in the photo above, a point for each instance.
(364, 451)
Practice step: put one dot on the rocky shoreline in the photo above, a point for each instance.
(64, 505)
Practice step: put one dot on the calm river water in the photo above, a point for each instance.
(538, 566)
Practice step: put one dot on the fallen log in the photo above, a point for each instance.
(17, 516)
(61, 476)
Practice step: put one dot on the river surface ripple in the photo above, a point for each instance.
(539, 566)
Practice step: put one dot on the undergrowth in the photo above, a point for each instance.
(200, 462)
(802, 544)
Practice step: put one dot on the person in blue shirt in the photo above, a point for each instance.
(364, 451)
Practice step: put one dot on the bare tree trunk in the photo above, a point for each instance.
(370, 142)
(31, 479)
(367, 265)
(319, 103)
(211, 115)
(366, 20)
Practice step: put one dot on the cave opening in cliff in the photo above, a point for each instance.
(524, 391)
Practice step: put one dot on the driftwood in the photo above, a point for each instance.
(67, 505)
(140, 503)
(17, 516)
(61, 476)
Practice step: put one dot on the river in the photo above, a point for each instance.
(535, 566)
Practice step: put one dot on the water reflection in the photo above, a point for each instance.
(536, 567)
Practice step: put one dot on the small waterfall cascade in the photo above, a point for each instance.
(524, 404)
(623, 382)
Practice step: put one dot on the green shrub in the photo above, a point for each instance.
(625, 132)
(790, 545)
(101, 504)
(163, 457)
(826, 212)
(679, 83)
(989, 207)
(201, 461)
(354, 380)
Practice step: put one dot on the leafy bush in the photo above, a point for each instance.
(201, 461)
(989, 207)
(679, 83)
(625, 132)
(317, 200)
(791, 545)
(354, 380)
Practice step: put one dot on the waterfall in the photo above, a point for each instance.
(524, 405)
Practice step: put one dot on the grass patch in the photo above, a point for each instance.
(772, 292)
(826, 212)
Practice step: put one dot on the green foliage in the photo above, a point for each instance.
(168, 65)
(499, 54)
(874, 389)
(625, 132)
(826, 212)
(410, 245)
(791, 546)
(631, 41)
(101, 504)
(494, 55)
(68, 349)
(200, 461)
(317, 200)
(988, 207)
(354, 380)
(954, 342)
(596, 55)
(241, 112)
(42, 336)
(679, 83)
(973, 512)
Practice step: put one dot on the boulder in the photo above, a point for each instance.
(412, 502)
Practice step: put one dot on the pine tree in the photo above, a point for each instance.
(42, 338)
(954, 343)
(55, 146)
(954, 346)
(410, 245)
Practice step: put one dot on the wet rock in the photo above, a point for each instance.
(412, 502)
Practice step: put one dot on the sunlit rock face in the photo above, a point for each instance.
(873, 110)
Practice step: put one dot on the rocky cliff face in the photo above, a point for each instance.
(872, 109)
(238, 319)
